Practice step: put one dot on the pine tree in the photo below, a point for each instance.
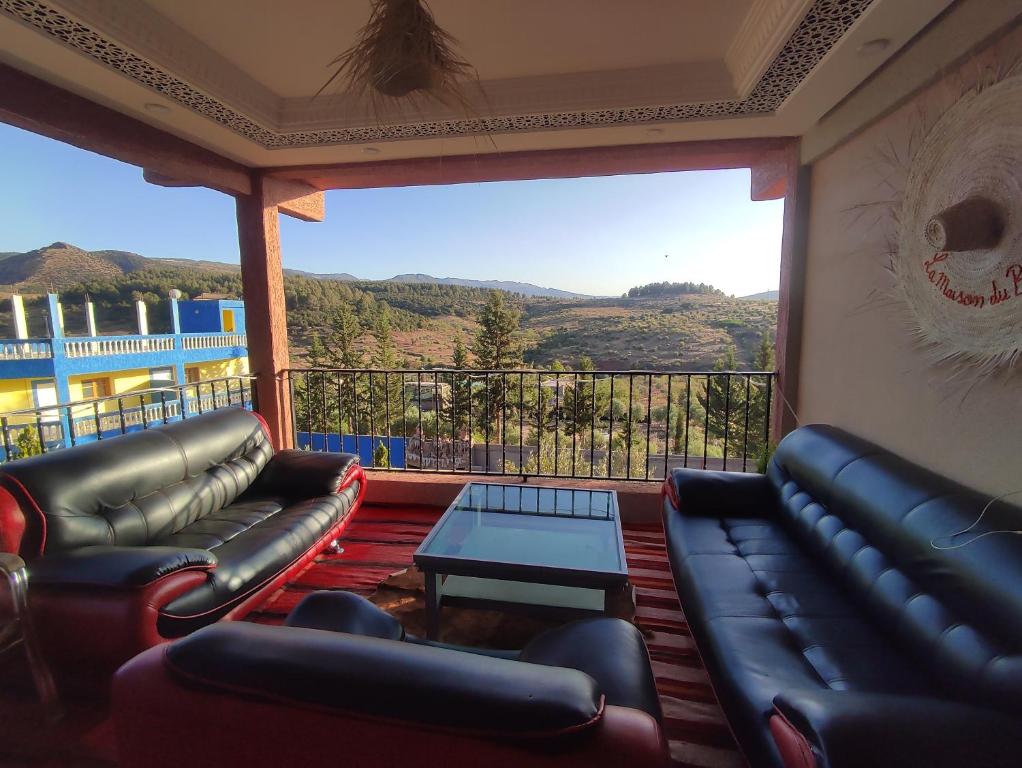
(758, 405)
(385, 389)
(345, 331)
(497, 347)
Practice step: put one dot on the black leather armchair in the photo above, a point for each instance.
(343, 681)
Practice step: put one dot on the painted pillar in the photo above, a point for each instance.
(18, 314)
(142, 315)
(90, 319)
(175, 317)
(56, 316)
(60, 374)
(262, 279)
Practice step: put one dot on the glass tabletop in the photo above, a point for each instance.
(559, 528)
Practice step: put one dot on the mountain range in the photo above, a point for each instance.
(692, 328)
(61, 265)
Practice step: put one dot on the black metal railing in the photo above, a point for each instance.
(626, 425)
(41, 430)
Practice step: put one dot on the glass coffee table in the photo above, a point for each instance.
(507, 545)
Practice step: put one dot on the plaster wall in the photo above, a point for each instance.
(860, 367)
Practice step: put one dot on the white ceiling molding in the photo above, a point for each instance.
(137, 42)
(765, 29)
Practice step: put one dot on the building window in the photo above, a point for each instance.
(193, 375)
(228, 320)
(93, 388)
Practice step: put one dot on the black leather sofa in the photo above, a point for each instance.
(835, 630)
(342, 683)
(151, 535)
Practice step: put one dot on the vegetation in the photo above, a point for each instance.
(28, 442)
(659, 290)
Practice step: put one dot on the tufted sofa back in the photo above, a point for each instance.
(139, 487)
(871, 516)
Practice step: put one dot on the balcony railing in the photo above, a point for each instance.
(105, 346)
(25, 349)
(621, 425)
(41, 430)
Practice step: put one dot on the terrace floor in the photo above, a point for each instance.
(378, 542)
(381, 539)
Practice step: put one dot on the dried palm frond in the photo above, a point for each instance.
(401, 51)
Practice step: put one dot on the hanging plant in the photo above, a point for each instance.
(402, 51)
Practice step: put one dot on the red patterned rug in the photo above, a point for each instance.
(381, 539)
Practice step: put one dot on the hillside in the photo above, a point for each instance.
(691, 329)
(61, 265)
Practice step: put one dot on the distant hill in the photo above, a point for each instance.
(764, 296)
(526, 289)
(691, 329)
(62, 265)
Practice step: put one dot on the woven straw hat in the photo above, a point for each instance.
(959, 259)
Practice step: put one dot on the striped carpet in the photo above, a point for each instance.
(381, 540)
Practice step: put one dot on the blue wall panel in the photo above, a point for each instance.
(366, 446)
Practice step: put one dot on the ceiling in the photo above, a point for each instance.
(240, 76)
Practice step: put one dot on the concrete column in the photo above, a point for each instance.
(18, 315)
(90, 319)
(262, 281)
(56, 316)
(142, 315)
(175, 317)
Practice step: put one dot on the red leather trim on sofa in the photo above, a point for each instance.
(20, 494)
(791, 743)
(94, 629)
(260, 593)
(262, 420)
(160, 722)
(12, 523)
(355, 473)
(669, 491)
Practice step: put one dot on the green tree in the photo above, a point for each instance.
(381, 456)
(723, 400)
(759, 429)
(585, 404)
(497, 347)
(385, 388)
(28, 442)
(345, 331)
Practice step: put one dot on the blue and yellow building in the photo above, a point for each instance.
(113, 378)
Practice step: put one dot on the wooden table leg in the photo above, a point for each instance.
(433, 584)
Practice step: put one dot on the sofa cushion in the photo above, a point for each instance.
(253, 540)
(141, 487)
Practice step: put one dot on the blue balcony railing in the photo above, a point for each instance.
(73, 347)
(41, 430)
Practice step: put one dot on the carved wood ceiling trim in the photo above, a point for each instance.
(820, 29)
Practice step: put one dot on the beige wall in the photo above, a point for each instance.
(861, 369)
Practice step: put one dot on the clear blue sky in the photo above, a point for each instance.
(599, 235)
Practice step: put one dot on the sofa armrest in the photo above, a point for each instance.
(720, 493)
(839, 729)
(119, 567)
(307, 474)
